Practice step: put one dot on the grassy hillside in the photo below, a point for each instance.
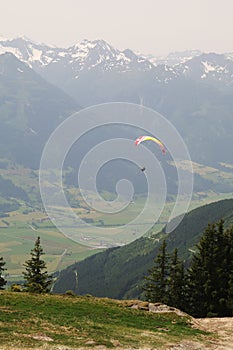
(118, 272)
(52, 322)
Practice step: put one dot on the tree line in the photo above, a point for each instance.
(206, 287)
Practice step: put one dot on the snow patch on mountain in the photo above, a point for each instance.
(211, 68)
(174, 58)
(208, 67)
(5, 49)
(229, 56)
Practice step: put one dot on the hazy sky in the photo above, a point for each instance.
(148, 26)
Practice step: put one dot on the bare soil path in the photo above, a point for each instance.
(223, 327)
(222, 339)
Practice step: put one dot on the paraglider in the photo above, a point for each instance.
(150, 138)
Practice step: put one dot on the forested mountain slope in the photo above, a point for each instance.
(118, 272)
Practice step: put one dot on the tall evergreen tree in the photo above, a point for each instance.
(227, 274)
(176, 282)
(156, 286)
(2, 269)
(210, 274)
(36, 275)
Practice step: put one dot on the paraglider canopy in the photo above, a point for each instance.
(150, 138)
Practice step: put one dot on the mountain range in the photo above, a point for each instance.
(41, 85)
(51, 62)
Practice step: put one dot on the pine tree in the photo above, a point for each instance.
(36, 275)
(156, 286)
(176, 282)
(200, 275)
(210, 275)
(227, 273)
(2, 279)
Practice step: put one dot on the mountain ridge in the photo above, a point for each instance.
(89, 54)
(40, 55)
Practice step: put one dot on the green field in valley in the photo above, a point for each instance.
(19, 228)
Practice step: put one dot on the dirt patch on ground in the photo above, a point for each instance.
(222, 338)
(223, 328)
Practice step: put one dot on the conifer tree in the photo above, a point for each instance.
(200, 274)
(226, 286)
(36, 275)
(2, 268)
(210, 274)
(176, 282)
(156, 286)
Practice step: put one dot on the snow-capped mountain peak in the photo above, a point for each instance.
(28, 51)
(84, 55)
(210, 67)
(96, 49)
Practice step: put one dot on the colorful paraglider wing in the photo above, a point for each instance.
(139, 140)
(150, 138)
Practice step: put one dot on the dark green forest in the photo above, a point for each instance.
(205, 289)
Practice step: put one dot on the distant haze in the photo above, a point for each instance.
(149, 26)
